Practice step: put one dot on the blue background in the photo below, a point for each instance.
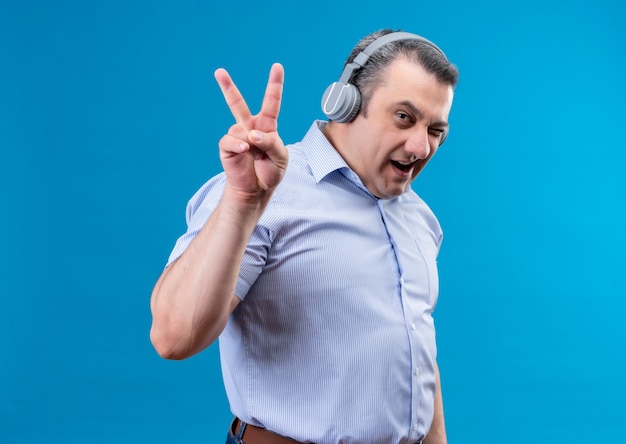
(109, 121)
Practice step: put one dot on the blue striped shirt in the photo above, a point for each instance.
(334, 341)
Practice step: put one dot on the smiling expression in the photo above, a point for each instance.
(390, 142)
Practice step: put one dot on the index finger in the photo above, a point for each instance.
(235, 101)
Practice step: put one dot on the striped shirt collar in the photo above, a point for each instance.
(322, 157)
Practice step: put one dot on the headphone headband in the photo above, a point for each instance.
(342, 100)
(364, 55)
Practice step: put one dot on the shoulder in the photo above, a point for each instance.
(209, 194)
(418, 210)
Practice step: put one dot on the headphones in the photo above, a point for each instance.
(342, 100)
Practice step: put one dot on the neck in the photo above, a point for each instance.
(334, 133)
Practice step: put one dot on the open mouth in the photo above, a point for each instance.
(402, 166)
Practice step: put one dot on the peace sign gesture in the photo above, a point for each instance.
(253, 156)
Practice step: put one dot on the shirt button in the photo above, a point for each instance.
(415, 427)
(416, 371)
(413, 326)
(402, 281)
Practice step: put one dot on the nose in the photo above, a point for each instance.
(418, 145)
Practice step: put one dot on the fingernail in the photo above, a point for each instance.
(256, 136)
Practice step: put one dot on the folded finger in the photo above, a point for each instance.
(232, 145)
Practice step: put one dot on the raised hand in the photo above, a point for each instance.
(253, 156)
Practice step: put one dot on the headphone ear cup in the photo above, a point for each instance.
(443, 139)
(341, 102)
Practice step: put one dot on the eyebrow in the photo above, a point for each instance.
(420, 115)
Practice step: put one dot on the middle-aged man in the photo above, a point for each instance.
(315, 263)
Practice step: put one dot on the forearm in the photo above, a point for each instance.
(437, 433)
(194, 296)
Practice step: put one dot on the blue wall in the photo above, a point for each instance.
(109, 121)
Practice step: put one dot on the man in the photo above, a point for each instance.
(315, 264)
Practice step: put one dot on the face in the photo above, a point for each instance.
(389, 144)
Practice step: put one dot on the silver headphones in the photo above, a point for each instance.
(342, 100)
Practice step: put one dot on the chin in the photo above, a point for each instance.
(390, 194)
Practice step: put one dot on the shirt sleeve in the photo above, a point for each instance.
(199, 209)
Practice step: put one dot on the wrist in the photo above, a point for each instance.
(243, 202)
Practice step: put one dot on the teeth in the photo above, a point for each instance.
(404, 166)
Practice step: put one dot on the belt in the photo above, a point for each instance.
(248, 434)
(243, 433)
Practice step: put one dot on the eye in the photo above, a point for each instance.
(404, 117)
(437, 132)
